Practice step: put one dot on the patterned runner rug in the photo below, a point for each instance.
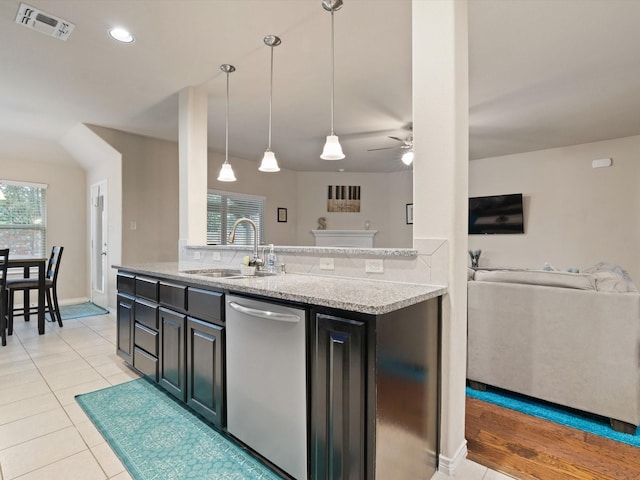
(158, 438)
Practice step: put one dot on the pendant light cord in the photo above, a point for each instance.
(226, 139)
(332, 72)
(270, 99)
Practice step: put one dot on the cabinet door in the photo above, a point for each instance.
(125, 327)
(172, 354)
(338, 399)
(205, 370)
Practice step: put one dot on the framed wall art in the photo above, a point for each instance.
(282, 215)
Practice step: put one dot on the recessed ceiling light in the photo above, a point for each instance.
(121, 35)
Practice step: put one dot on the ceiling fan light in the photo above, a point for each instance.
(407, 157)
(226, 173)
(332, 149)
(269, 162)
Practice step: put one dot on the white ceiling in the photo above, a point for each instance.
(542, 74)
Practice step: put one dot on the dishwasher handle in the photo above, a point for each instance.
(254, 312)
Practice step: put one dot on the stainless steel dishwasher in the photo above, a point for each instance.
(266, 381)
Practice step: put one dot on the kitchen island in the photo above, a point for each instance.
(371, 360)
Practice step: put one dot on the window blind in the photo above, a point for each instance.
(223, 209)
(23, 219)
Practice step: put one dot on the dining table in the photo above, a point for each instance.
(27, 263)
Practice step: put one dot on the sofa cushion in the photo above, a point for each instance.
(539, 277)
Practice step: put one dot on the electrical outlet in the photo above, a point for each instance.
(196, 255)
(374, 265)
(133, 225)
(326, 264)
(216, 256)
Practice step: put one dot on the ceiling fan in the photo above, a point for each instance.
(406, 143)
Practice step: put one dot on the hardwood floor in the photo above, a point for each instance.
(529, 448)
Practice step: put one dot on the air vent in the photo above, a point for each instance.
(43, 22)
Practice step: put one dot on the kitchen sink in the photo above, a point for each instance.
(226, 273)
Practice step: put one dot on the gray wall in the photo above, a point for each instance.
(67, 203)
(575, 215)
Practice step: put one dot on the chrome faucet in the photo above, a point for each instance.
(255, 260)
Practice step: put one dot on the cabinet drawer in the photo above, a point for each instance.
(145, 363)
(147, 314)
(174, 296)
(126, 283)
(205, 304)
(146, 339)
(147, 288)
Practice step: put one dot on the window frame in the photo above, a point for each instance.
(35, 250)
(226, 222)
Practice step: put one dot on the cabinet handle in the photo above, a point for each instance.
(280, 317)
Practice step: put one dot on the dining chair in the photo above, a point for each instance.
(23, 284)
(4, 258)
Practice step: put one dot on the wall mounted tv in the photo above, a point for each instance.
(496, 214)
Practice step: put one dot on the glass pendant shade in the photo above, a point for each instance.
(226, 173)
(269, 162)
(332, 149)
(407, 157)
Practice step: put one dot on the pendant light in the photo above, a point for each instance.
(226, 172)
(269, 162)
(332, 149)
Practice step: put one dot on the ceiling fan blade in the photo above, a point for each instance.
(383, 148)
(396, 138)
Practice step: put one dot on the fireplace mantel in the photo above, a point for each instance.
(344, 238)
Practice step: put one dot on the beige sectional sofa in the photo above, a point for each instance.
(567, 338)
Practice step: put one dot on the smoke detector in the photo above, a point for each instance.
(36, 19)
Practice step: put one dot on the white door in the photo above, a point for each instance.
(99, 244)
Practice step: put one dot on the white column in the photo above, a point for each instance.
(192, 144)
(440, 171)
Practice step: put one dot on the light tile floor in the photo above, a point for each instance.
(44, 434)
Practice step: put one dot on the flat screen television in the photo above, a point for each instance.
(496, 214)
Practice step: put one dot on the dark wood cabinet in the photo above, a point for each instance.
(338, 394)
(174, 333)
(172, 372)
(206, 370)
(124, 327)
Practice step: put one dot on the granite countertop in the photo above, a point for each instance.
(357, 295)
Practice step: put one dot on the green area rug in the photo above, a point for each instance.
(158, 438)
(86, 309)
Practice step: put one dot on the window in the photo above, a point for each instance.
(223, 209)
(23, 219)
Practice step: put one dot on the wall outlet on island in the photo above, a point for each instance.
(326, 264)
(196, 255)
(374, 266)
(216, 256)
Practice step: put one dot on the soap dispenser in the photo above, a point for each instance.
(271, 260)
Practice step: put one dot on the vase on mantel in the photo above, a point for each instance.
(475, 256)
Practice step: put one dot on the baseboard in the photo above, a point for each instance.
(448, 465)
(61, 301)
(73, 301)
